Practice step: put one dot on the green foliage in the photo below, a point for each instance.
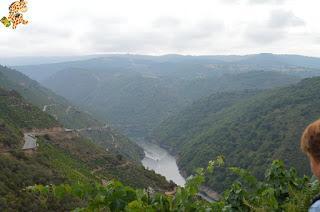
(68, 160)
(251, 130)
(182, 126)
(61, 158)
(21, 113)
(15, 110)
(10, 137)
(39, 96)
(281, 190)
(136, 99)
(16, 113)
(81, 160)
(19, 170)
(116, 143)
(116, 197)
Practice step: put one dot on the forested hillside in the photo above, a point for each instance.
(61, 157)
(136, 104)
(115, 142)
(63, 111)
(253, 80)
(133, 103)
(136, 93)
(176, 130)
(15, 110)
(249, 130)
(45, 99)
(17, 114)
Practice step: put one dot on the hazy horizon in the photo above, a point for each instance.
(39, 60)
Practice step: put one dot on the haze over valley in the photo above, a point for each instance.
(137, 92)
(189, 103)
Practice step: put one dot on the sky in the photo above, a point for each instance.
(156, 27)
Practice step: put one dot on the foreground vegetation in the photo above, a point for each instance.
(281, 190)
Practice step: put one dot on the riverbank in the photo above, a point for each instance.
(162, 162)
(159, 160)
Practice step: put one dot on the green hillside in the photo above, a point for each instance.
(39, 96)
(89, 161)
(62, 157)
(114, 142)
(178, 129)
(237, 82)
(62, 110)
(133, 103)
(16, 114)
(250, 132)
(65, 160)
(14, 109)
(137, 102)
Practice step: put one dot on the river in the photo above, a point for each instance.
(159, 160)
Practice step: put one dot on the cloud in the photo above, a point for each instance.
(165, 36)
(266, 1)
(282, 18)
(254, 2)
(229, 1)
(203, 29)
(121, 39)
(275, 28)
(200, 35)
(152, 27)
(264, 35)
(166, 22)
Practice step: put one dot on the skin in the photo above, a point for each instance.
(315, 166)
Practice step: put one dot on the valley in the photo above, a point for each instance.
(137, 92)
(160, 106)
(174, 101)
(186, 111)
(36, 147)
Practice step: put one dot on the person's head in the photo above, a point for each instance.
(310, 144)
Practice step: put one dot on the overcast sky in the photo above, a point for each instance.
(197, 27)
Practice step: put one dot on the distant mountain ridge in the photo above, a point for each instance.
(162, 64)
(135, 103)
(137, 92)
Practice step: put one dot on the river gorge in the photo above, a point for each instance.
(160, 160)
